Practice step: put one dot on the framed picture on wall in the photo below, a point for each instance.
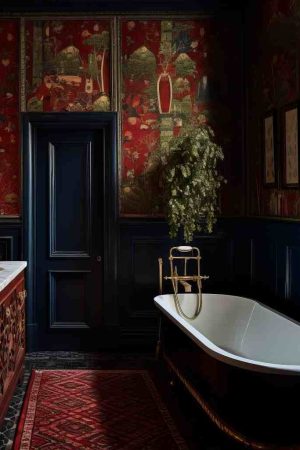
(269, 149)
(290, 145)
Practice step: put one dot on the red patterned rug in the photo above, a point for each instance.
(95, 409)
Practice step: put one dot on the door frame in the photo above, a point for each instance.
(107, 122)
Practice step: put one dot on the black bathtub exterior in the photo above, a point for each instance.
(257, 409)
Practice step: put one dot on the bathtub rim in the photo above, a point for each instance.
(223, 355)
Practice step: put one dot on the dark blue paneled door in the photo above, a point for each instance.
(69, 237)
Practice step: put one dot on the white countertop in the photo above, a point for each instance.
(9, 270)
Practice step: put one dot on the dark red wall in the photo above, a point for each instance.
(272, 84)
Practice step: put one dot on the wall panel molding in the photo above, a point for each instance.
(6, 248)
(292, 261)
(10, 239)
(252, 261)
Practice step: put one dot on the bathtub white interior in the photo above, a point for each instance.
(240, 331)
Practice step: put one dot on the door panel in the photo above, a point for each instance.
(68, 300)
(70, 181)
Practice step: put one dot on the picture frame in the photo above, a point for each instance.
(290, 146)
(269, 149)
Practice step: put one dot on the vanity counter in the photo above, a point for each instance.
(9, 270)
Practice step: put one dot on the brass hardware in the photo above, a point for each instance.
(187, 277)
(187, 286)
(160, 273)
(194, 254)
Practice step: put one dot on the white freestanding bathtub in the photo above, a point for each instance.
(241, 361)
(239, 331)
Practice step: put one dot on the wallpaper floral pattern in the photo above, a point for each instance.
(160, 69)
(172, 75)
(9, 118)
(68, 65)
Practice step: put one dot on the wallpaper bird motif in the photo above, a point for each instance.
(9, 118)
(68, 65)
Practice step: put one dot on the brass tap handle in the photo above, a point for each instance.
(185, 277)
(160, 272)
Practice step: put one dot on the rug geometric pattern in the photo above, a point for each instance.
(95, 409)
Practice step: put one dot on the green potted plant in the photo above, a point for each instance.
(191, 181)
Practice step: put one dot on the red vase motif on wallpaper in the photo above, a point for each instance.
(164, 93)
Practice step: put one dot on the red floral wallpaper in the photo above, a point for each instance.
(9, 118)
(175, 74)
(162, 62)
(172, 77)
(68, 65)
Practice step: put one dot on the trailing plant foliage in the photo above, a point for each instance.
(191, 181)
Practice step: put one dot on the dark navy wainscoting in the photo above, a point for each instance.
(141, 244)
(266, 262)
(249, 257)
(10, 239)
(255, 258)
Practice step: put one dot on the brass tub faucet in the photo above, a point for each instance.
(194, 255)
